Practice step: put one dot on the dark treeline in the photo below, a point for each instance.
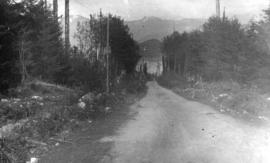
(31, 47)
(92, 37)
(31, 44)
(222, 49)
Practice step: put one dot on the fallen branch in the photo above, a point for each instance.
(61, 141)
(36, 142)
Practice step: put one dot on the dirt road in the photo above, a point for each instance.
(165, 128)
(170, 129)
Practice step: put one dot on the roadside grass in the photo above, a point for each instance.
(248, 102)
(48, 110)
(34, 112)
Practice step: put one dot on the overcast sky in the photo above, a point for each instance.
(170, 9)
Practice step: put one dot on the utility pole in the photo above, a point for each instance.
(100, 50)
(45, 4)
(224, 14)
(218, 8)
(174, 26)
(108, 51)
(67, 42)
(55, 9)
(100, 25)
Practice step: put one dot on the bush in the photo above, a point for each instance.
(262, 84)
(171, 80)
(86, 76)
(15, 110)
(248, 101)
(15, 149)
(131, 83)
(230, 96)
(50, 126)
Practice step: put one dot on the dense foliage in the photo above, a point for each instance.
(9, 75)
(92, 36)
(223, 49)
(31, 44)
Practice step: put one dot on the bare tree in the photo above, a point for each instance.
(24, 48)
(67, 41)
(55, 9)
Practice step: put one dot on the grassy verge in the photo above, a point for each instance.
(247, 102)
(40, 111)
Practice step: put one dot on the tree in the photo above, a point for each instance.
(9, 72)
(30, 43)
(92, 41)
(183, 52)
(227, 49)
(171, 47)
(46, 42)
(24, 48)
(223, 50)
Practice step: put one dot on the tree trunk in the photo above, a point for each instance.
(175, 65)
(55, 9)
(163, 64)
(24, 72)
(67, 41)
(184, 65)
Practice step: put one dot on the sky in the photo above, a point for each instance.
(167, 9)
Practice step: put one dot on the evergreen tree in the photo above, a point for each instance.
(47, 48)
(92, 41)
(9, 71)
(30, 43)
(223, 50)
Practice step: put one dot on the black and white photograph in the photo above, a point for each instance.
(134, 81)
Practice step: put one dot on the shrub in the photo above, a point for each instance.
(171, 80)
(15, 111)
(132, 83)
(243, 99)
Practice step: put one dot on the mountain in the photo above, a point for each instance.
(144, 29)
(156, 28)
(149, 28)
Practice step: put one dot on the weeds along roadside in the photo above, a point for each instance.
(42, 111)
(248, 102)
